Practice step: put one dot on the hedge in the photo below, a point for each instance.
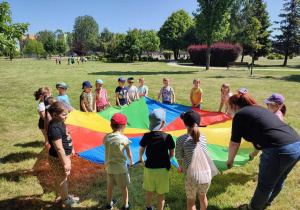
(221, 53)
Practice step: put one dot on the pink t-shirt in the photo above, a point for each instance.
(101, 101)
(279, 114)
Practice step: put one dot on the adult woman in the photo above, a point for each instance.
(279, 143)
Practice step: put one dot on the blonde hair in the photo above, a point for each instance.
(41, 92)
(141, 78)
(196, 80)
(226, 85)
(166, 79)
(116, 127)
(195, 133)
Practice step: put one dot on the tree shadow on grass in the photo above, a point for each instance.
(221, 77)
(26, 202)
(290, 78)
(35, 144)
(124, 73)
(18, 157)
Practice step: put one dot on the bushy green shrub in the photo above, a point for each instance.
(1, 53)
(100, 57)
(271, 56)
(279, 56)
(104, 59)
(167, 54)
(88, 57)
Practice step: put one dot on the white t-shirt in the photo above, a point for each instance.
(41, 106)
(132, 93)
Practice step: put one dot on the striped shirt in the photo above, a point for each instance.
(185, 147)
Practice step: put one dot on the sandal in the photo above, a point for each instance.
(241, 206)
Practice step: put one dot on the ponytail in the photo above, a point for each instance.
(195, 133)
(41, 92)
(283, 109)
(242, 100)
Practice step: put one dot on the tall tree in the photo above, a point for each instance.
(121, 45)
(10, 32)
(264, 38)
(59, 34)
(69, 40)
(150, 42)
(34, 47)
(212, 22)
(50, 45)
(172, 32)
(61, 46)
(85, 31)
(106, 39)
(288, 42)
(132, 43)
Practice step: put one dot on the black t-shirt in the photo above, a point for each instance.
(59, 131)
(261, 127)
(122, 95)
(157, 144)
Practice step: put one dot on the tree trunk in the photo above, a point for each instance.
(175, 54)
(286, 57)
(252, 62)
(242, 57)
(208, 57)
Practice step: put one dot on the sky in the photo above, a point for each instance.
(116, 15)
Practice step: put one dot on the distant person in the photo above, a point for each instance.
(41, 94)
(72, 61)
(196, 94)
(122, 93)
(59, 60)
(225, 95)
(56, 60)
(62, 96)
(59, 154)
(159, 148)
(101, 96)
(87, 102)
(132, 90)
(167, 93)
(78, 59)
(142, 89)
(115, 144)
(82, 59)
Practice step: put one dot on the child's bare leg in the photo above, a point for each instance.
(62, 187)
(160, 201)
(191, 203)
(109, 193)
(124, 191)
(149, 195)
(56, 188)
(203, 202)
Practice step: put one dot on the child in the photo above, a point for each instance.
(72, 61)
(122, 93)
(115, 161)
(191, 152)
(196, 95)
(59, 153)
(87, 102)
(142, 89)
(48, 101)
(78, 59)
(101, 96)
(62, 96)
(56, 61)
(156, 172)
(225, 95)
(132, 90)
(41, 94)
(275, 104)
(242, 91)
(166, 93)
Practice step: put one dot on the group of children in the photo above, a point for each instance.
(191, 151)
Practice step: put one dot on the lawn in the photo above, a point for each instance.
(26, 180)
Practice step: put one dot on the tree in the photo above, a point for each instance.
(150, 42)
(253, 30)
(106, 39)
(288, 43)
(61, 46)
(50, 45)
(132, 43)
(172, 32)
(34, 47)
(212, 22)
(121, 46)
(59, 34)
(85, 31)
(9, 31)
(262, 16)
(69, 40)
(42, 36)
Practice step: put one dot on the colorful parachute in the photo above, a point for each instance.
(88, 130)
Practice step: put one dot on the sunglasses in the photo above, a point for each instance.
(131, 82)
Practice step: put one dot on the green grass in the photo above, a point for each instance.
(25, 177)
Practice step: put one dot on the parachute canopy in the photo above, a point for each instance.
(88, 130)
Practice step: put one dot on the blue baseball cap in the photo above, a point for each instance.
(243, 90)
(275, 98)
(121, 79)
(156, 118)
(99, 81)
(86, 84)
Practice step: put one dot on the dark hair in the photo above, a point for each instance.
(116, 127)
(283, 109)
(57, 107)
(243, 100)
(49, 100)
(41, 92)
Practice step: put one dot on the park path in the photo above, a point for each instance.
(175, 63)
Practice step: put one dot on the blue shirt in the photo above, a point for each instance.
(65, 100)
(122, 92)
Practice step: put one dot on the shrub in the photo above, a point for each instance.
(167, 54)
(88, 57)
(221, 53)
(279, 56)
(271, 56)
(100, 57)
(104, 59)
